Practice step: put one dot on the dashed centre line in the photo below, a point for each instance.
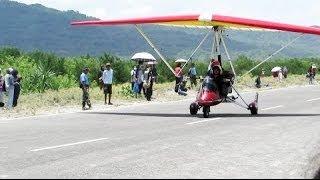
(66, 145)
(197, 122)
(270, 108)
(311, 100)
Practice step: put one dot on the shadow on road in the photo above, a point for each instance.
(200, 115)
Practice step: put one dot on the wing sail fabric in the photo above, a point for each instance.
(197, 20)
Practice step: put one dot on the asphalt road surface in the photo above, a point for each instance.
(161, 140)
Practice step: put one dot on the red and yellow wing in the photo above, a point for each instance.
(197, 20)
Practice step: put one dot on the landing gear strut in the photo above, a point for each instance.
(206, 111)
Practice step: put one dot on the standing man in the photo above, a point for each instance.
(140, 76)
(1, 89)
(285, 72)
(9, 83)
(280, 75)
(193, 75)
(100, 73)
(133, 77)
(149, 79)
(107, 78)
(84, 85)
(258, 82)
(154, 73)
(312, 73)
(17, 86)
(179, 76)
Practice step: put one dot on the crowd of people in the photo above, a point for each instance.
(282, 73)
(143, 77)
(10, 87)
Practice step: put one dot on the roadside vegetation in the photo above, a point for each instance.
(52, 81)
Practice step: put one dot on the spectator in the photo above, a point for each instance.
(2, 89)
(179, 76)
(107, 78)
(100, 73)
(258, 82)
(9, 86)
(285, 72)
(139, 77)
(312, 73)
(133, 77)
(154, 73)
(84, 85)
(182, 90)
(280, 75)
(193, 75)
(148, 85)
(17, 87)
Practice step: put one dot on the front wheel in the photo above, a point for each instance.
(194, 109)
(206, 111)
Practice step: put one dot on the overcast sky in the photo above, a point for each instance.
(303, 12)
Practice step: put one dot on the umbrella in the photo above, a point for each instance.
(276, 69)
(143, 56)
(181, 61)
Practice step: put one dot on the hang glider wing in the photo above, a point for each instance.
(197, 20)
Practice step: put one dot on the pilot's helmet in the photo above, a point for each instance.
(215, 62)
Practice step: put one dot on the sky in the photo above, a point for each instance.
(301, 12)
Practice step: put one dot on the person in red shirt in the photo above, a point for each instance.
(179, 75)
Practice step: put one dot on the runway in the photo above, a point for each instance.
(161, 140)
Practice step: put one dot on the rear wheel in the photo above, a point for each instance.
(194, 109)
(253, 109)
(206, 111)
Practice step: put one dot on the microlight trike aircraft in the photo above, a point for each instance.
(218, 84)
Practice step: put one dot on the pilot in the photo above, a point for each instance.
(221, 77)
(215, 69)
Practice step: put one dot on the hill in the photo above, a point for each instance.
(31, 27)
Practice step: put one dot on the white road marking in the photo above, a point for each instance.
(197, 122)
(3, 176)
(316, 99)
(70, 144)
(276, 107)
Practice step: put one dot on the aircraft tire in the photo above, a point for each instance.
(194, 109)
(253, 109)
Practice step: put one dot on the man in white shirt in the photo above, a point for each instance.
(107, 78)
(9, 83)
(133, 76)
